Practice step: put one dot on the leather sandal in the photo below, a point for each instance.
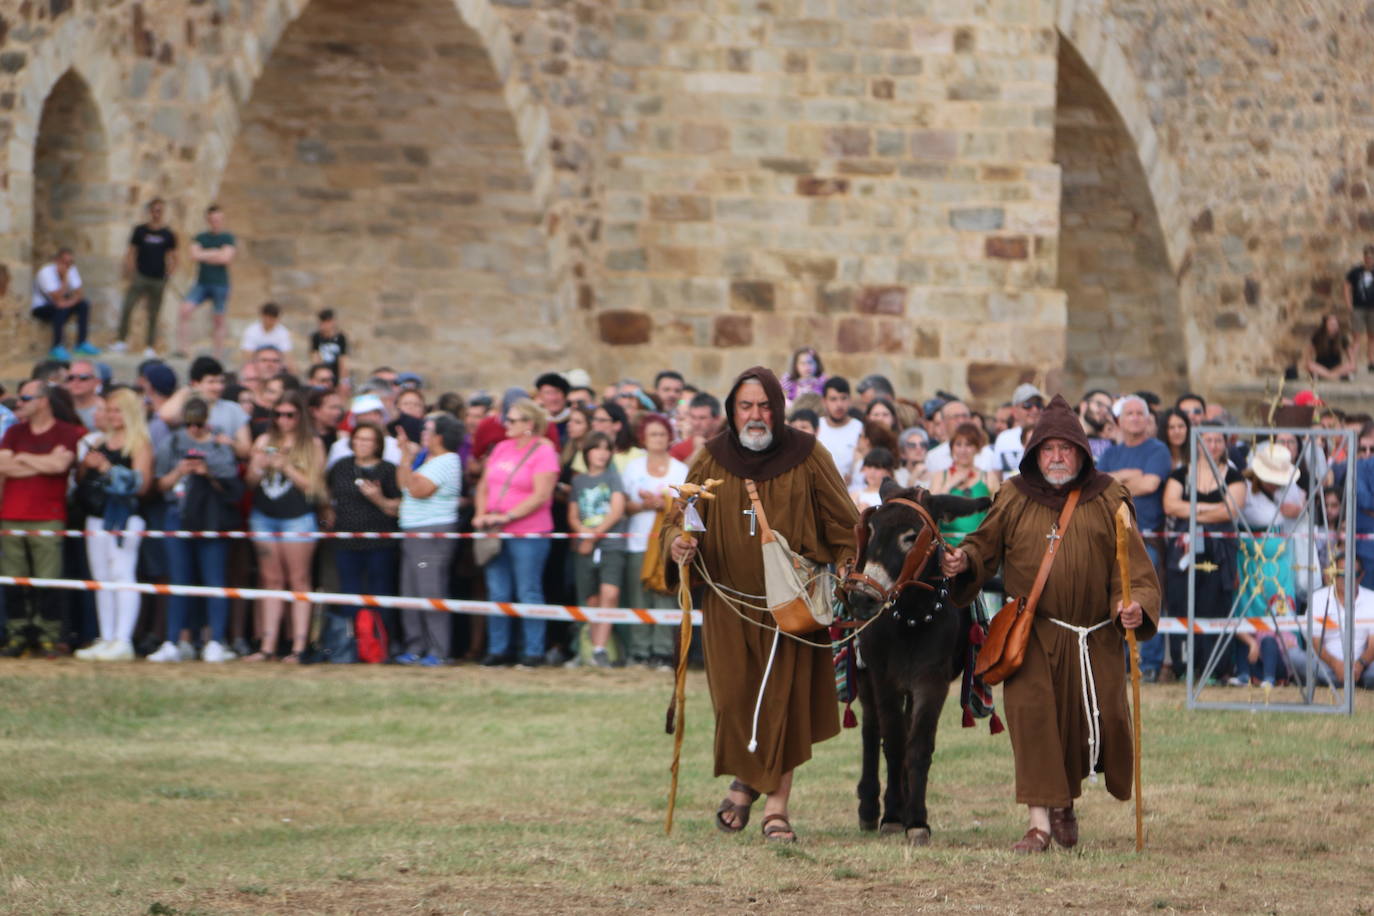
(740, 812)
(777, 829)
(1064, 826)
(1035, 840)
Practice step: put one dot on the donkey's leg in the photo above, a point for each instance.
(892, 716)
(871, 741)
(927, 699)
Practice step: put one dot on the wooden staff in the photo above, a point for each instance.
(1123, 559)
(688, 493)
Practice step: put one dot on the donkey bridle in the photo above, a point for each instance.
(913, 565)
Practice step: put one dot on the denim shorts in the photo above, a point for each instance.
(218, 295)
(265, 524)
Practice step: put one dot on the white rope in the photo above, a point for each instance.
(1088, 685)
(763, 685)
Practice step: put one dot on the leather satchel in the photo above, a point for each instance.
(1004, 649)
(794, 587)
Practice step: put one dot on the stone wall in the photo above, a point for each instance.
(711, 183)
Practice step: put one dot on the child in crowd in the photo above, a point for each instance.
(267, 331)
(597, 506)
(329, 345)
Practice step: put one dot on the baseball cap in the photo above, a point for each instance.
(1024, 392)
(410, 378)
(366, 403)
(161, 379)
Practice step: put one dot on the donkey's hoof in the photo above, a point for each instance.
(867, 826)
(890, 828)
(918, 836)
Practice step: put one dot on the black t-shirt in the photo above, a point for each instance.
(1361, 287)
(329, 348)
(1214, 496)
(260, 420)
(276, 496)
(150, 250)
(352, 510)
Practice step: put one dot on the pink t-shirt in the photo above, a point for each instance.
(505, 455)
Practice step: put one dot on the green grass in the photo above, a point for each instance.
(129, 789)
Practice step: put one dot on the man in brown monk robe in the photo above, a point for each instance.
(1066, 707)
(805, 500)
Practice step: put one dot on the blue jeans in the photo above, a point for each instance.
(217, 294)
(1152, 649)
(517, 574)
(261, 523)
(1269, 658)
(199, 561)
(58, 318)
(362, 572)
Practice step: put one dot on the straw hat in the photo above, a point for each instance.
(1272, 463)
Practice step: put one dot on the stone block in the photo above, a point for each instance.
(810, 268)
(627, 259)
(733, 331)
(834, 301)
(934, 144)
(989, 381)
(926, 342)
(1014, 247)
(848, 141)
(624, 328)
(977, 219)
(881, 300)
(814, 186)
(752, 295)
(807, 33)
(855, 335)
(680, 207)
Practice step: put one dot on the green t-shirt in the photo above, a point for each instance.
(214, 274)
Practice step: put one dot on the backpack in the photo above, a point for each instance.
(371, 636)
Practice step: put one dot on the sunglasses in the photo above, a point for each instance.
(516, 419)
(81, 377)
(195, 424)
(1367, 449)
(29, 397)
(285, 414)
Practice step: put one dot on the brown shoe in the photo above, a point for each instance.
(1064, 826)
(1034, 841)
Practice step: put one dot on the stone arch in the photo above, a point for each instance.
(1119, 276)
(345, 196)
(71, 84)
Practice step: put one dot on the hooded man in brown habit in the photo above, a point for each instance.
(1060, 731)
(805, 500)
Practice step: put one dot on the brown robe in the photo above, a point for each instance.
(1043, 701)
(810, 507)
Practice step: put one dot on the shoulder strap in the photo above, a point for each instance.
(1052, 550)
(505, 487)
(765, 532)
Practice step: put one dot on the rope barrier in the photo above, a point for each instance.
(571, 613)
(320, 535)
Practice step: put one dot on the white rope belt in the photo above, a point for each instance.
(1089, 687)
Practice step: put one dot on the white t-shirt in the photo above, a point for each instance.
(1262, 510)
(343, 447)
(1008, 450)
(255, 335)
(48, 281)
(939, 459)
(1326, 607)
(440, 507)
(636, 477)
(840, 442)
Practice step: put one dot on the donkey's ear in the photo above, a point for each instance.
(888, 489)
(945, 508)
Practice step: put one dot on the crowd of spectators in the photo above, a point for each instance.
(287, 446)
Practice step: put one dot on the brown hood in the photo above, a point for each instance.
(1058, 421)
(789, 449)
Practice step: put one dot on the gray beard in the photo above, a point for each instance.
(1058, 480)
(756, 442)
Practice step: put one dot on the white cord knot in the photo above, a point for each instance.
(1088, 684)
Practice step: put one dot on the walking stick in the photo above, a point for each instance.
(688, 494)
(1123, 559)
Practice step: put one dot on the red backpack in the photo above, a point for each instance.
(371, 636)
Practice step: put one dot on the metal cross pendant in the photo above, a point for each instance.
(1053, 537)
(753, 520)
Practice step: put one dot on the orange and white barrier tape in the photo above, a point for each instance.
(456, 605)
(1259, 625)
(322, 535)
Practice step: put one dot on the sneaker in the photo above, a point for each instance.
(93, 651)
(117, 652)
(431, 661)
(407, 658)
(168, 652)
(149, 353)
(188, 651)
(59, 352)
(661, 663)
(16, 647)
(119, 346)
(48, 649)
(85, 349)
(530, 661)
(241, 647)
(1238, 681)
(215, 653)
(601, 658)
(495, 661)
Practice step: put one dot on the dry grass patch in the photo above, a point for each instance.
(266, 789)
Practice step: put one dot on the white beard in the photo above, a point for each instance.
(1058, 480)
(756, 441)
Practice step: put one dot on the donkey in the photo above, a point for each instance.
(910, 654)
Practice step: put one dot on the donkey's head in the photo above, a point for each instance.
(899, 546)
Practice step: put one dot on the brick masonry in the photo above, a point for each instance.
(959, 195)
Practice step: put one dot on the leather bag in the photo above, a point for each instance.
(1005, 647)
(793, 585)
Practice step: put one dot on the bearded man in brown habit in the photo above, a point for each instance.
(805, 500)
(1066, 706)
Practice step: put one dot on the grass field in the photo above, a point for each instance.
(269, 789)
